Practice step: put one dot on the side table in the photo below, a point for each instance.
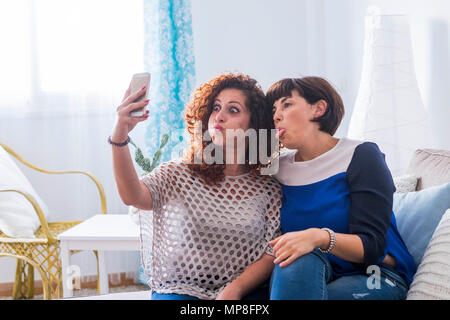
(101, 232)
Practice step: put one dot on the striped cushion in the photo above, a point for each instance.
(432, 280)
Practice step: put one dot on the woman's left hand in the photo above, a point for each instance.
(292, 245)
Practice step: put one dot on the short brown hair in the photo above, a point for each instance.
(201, 107)
(312, 89)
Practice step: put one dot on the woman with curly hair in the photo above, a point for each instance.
(212, 221)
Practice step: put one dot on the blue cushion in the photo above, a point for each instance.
(418, 214)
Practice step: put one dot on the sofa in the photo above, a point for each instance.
(431, 168)
(432, 279)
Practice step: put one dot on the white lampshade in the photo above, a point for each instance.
(389, 109)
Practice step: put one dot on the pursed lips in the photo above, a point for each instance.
(217, 128)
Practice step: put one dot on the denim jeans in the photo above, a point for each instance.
(310, 278)
(172, 296)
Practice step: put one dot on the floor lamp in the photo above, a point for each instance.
(389, 109)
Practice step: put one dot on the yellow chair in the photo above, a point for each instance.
(43, 252)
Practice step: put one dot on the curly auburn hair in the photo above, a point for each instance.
(200, 109)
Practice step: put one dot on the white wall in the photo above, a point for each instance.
(271, 40)
(266, 39)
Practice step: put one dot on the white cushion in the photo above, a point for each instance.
(432, 280)
(17, 216)
(405, 183)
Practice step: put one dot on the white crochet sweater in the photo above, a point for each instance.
(199, 238)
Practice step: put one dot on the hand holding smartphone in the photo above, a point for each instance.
(137, 82)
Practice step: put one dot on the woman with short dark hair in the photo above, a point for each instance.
(340, 239)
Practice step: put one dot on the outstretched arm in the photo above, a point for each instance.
(132, 191)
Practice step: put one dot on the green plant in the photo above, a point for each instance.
(144, 162)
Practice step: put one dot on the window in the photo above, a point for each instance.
(66, 55)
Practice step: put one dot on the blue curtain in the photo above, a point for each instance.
(169, 57)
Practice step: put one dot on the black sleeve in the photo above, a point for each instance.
(371, 196)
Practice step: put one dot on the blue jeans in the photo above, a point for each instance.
(172, 296)
(310, 278)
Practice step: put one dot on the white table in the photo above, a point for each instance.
(101, 232)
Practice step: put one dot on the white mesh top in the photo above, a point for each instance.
(199, 238)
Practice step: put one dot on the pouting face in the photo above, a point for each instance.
(229, 113)
(292, 117)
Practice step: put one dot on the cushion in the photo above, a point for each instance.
(432, 280)
(431, 166)
(418, 214)
(17, 216)
(405, 183)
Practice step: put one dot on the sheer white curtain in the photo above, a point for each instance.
(64, 67)
(65, 56)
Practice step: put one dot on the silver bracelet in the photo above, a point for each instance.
(332, 240)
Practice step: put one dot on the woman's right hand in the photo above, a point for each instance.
(124, 121)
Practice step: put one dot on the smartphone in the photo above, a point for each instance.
(137, 82)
